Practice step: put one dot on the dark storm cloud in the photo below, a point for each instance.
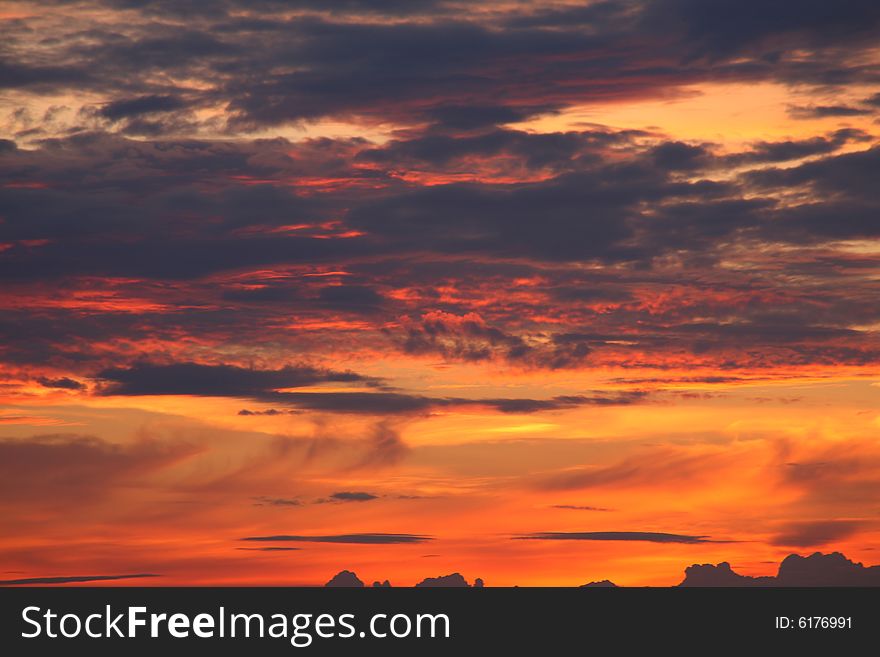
(369, 539)
(242, 172)
(181, 259)
(181, 48)
(351, 298)
(126, 108)
(72, 579)
(566, 401)
(596, 247)
(176, 212)
(469, 339)
(174, 226)
(847, 174)
(562, 56)
(790, 149)
(355, 67)
(780, 328)
(595, 212)
(370, 403)
(594, 14)
(558, 150)
(652, 537)
(825, 111)
(219, 8)
(687, 379)
(266, 294)
(846, 206)
(590, 294)
(153, 259)
(63, 383)
(232, 381)
(583, 217)
(706, 222)
(729, 27)
(838, 219)
(468, 117)
(678, 156)
(214, 380)
(392, 403)
(68, 340)
(16, 75)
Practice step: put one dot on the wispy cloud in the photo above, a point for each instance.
(651, 537)
(73, 579)
(367, 539)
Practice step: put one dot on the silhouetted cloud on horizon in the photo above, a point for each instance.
(345, 579)
(817, 569)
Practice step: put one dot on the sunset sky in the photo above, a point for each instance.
(538, 292)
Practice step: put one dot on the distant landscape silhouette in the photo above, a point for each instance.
(817, 569)
(345, 579)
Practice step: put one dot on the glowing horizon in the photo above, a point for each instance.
(470, 275)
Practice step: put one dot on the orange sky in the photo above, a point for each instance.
(613, 309)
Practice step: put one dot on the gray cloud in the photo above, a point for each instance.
(825, 111)
(269, 549)
(129, 107)
(578, 507)
(232, 381)
(371, 539)
(371, 68)
(214, 380)
(276, 501)
(351, 496)
(72, 579)
(64, 383)
(651, 537)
